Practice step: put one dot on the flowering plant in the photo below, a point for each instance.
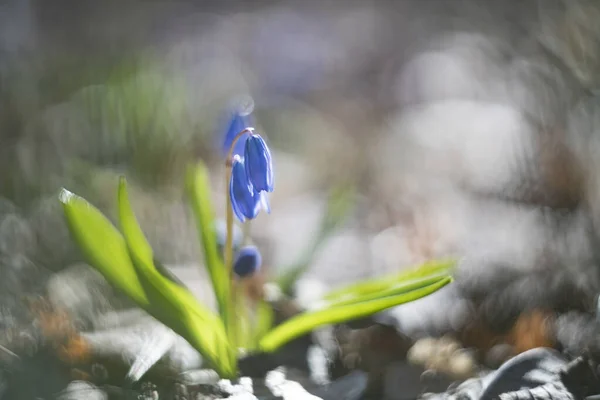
(126, 260)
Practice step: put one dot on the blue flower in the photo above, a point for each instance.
(259, 167)
(237, 124)
(247, 261)
(246, 201)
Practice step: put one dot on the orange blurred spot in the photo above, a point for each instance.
(531, 331)
(75, 351)
(59, 330)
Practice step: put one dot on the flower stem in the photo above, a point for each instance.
(228, 256)
(228, 259)
(230, 324)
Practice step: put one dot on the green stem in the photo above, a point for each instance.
(230, 324)
(228, 256)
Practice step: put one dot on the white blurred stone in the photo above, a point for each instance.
(469, 142)
(461, 364)
(309, 291)
(318, 364)
(246, 383)
(80, 390)
(198, 377)
(241, 391)
(114, 319)
(82, 292)
(272, 292)
(279, 386)
(155, 347)
(128, 343)
(462, 65)
(421, 351)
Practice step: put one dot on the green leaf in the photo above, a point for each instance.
(427, 270)
(244, 327)
(103, 246)
(264, 319)
(307, 321)
(175, 304)
(198, 185)
(394, 290)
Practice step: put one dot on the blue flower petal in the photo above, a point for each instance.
(259, 166)
(264, 202)
(247, 261)
(237, 124)
(244, 201)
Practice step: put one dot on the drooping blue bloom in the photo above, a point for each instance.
(237, 123)
(247, 261)
(259, 167)
(244, 200)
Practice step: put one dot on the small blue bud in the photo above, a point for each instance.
(259, 167)
(244, 200)
(247, 261)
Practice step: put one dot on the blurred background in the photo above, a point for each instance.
(467, 128)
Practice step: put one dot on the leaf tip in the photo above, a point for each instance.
(65, 196)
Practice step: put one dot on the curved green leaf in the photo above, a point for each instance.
(184, 314)
(427, 270)
(399, 288)
(102, 245)
(106, 250)
(307, 321)
(264, 319)
(198, 185)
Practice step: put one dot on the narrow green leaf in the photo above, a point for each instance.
(106, 250)
(102, 245)
(139, 248)
(193, 321)
(310, 320)
(264, 319)
(244, 328)
(399, 288)
(198, 185)
(429, 269)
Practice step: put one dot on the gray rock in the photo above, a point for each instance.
(130, 344)
(84, 294)
(498, 355)
(16, 237)
(198, 377)
(80, 390)
(54, 246)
